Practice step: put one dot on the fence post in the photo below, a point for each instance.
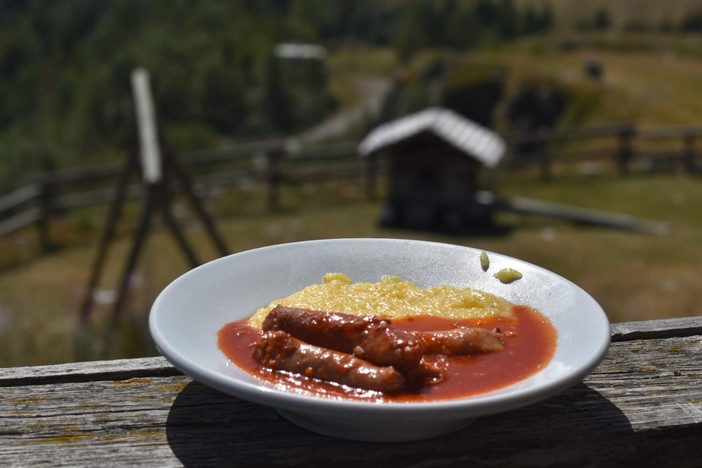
(45, 211)
(273, 178)
(371, 177)
(546, 163)
(626, 150)
(689, 150)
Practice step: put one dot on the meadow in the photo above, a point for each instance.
(634, 276)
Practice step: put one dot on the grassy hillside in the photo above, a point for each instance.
(649, 87)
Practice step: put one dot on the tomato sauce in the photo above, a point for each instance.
(530, 342)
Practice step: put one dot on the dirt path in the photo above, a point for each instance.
(370, 92)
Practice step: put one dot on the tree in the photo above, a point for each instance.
(410, 34)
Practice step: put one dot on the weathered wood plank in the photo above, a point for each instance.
(117, 369)
(664, 328)
(643, 404)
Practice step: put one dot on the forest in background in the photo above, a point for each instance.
(64, 66)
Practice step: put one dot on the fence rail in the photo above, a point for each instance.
(275, 163)
(629, 147)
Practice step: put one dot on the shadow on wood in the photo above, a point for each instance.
(218, 432)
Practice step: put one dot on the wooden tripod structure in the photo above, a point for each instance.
(157, 170)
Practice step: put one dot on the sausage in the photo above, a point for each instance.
(461, 340)
(278, 350)
(375, 340)
(333, 330)
(426, 373)
(388, 346)
(370, 338)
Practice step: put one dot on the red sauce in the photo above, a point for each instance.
(529, 346)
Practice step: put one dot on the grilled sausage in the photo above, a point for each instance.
(388, 346)
(279, 351)
(370, 338)
(461, 340)
(333, 330)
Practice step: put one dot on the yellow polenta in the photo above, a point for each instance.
(390, 297)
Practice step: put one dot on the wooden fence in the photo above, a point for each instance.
(270, 164)
(628, 147)
(276, 163)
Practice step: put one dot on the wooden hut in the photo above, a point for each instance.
(435, 162)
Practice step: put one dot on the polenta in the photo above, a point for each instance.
(391, 297)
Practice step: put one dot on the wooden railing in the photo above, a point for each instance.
(627, 147)
(276, 163)
(271, 164)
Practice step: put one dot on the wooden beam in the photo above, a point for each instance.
(581, 215)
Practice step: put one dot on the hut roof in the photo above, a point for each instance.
(474, 140)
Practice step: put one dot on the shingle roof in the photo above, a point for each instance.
(474, 140)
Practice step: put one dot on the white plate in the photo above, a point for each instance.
(187, 315)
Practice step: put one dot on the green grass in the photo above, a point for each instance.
(649, 87)
(634, 276)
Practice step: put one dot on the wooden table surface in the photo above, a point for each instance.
(641, 407)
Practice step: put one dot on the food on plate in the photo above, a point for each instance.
(280, 351)
(508, 275)
(389, 341)
(376, 341)
(392, 298)
(461, 341)
(484, 261)
(371, 338)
